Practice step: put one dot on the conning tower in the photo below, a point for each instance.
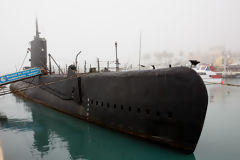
(38, 50)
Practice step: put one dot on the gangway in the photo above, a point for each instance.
(19, 76)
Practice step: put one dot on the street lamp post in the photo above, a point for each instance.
(76, 58)
(117, 62)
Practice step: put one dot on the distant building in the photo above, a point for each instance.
(219, 62)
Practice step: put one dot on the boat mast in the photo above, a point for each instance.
(140, 45)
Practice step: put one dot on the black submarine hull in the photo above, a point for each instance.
(164, 105)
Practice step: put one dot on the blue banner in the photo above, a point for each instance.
(19, 75)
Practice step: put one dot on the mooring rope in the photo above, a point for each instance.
(226, 84)
(23, 61)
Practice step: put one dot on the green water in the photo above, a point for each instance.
(36, 132)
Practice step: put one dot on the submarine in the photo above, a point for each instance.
(166, 106)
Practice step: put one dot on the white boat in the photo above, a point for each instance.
(208, 74)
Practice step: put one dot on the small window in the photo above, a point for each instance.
(115, 106)
(96, 102)
(91, 101)
(102, 104)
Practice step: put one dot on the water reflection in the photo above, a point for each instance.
(219, 94)
(221, 132)
(82, 140)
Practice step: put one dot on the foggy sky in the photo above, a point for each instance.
(93, 26)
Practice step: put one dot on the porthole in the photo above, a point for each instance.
(121, 107)
(139, 110)
(129, 108)
(170, 115)
(147, 111)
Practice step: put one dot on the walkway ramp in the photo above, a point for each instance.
(18, 76)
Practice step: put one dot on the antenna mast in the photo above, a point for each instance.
(37, 32)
